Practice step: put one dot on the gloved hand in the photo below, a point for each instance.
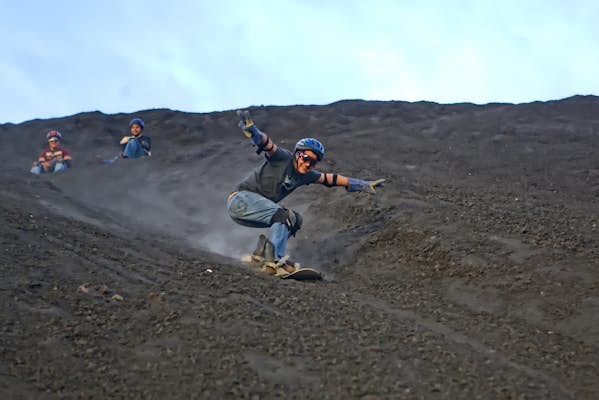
(246, 122)
(246, 119)
(126, 139)
(249, 129)
(359, 185)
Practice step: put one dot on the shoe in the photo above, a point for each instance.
(288, 268)
(269, 269)
(258, 254)
(293, 264)
(268, 260)
(286, 265)
(269, 251)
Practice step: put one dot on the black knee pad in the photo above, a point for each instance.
(291, 218)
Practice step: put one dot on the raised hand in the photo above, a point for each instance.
(359, 185)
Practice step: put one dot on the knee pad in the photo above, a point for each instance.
(291, 218)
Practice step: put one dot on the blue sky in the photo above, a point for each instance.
(63, 57)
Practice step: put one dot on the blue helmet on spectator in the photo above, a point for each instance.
(137, 121)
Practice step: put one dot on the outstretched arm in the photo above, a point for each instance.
(350, 184)
(259, 138)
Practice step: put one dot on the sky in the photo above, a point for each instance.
(59, 58)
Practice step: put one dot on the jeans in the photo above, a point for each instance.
(133, 149)
(54, 167)
(253, 210)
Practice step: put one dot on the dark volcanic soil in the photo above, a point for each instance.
(472, 274)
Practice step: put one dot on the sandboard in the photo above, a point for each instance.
(300, 274)
(303, 274)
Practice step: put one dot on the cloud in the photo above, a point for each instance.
(69, 57)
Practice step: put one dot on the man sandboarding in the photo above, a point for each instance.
(254, 203)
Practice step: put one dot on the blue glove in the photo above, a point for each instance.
(358, 185)
(249, 129)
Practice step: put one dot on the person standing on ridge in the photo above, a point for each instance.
(136, 145)
(254, 203)
(54, 158)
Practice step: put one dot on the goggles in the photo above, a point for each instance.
(309, 161)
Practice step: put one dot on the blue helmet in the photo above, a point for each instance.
(311, 144)
(137, 121)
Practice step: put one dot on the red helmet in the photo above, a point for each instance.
(53, 135)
